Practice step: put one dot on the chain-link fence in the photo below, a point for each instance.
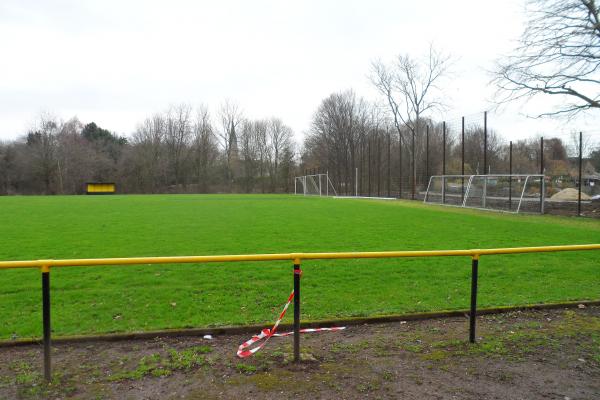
(510, 169)
(389, 164)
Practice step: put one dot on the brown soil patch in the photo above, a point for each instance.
(551, 354)
(569, 194)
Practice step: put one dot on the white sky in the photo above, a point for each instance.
(116, 62)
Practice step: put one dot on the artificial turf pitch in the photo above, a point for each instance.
(131, 298)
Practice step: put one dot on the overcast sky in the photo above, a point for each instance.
(116, 62)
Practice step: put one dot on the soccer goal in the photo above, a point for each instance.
(314, 185)
(511, 193)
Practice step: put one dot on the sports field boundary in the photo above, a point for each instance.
(297, 258)
(366, 197)
(245, 329)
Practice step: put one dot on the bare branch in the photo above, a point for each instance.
(559, 55)
(410, 87)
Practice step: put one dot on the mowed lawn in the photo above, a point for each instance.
(130, 298)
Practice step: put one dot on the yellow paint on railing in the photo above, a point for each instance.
(295, 257)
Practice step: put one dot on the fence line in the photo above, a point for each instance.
(385, 164)
(475, 254)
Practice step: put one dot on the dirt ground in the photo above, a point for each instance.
(551, 354)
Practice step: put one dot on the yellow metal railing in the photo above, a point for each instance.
(288, 256)
(296, 258)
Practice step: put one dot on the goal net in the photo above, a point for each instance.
(510, 193)
(446, 189)
(314, 185)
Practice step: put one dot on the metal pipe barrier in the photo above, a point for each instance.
(296, 258)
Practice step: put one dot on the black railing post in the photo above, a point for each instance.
(297, 273)
(473, 314)
(46, 322)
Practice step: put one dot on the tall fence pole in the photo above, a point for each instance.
(542, 188)
(413, 169)
(510, 175)
(485, 162)
(542, 155)
(297, 273)
(356, 182)
(369, 167)
(580, 174)
(473, 313)
(389, 164)
(378, 164)
(427, 152)
(444, 161)
(399, 165)
(462, 157)
(46, 322)
(444, 148)
(485, 168)
(362, 165)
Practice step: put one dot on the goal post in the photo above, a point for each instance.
(446, 189)
(500, 192)
(314, 185)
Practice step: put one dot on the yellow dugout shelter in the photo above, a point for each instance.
(100, 188)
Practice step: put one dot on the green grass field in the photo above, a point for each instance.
(127, 298)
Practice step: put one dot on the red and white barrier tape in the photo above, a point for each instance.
(245, 351)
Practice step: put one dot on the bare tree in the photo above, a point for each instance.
(149, 164)
(558, 54)
(287, 167)
(177, 136)
(337, 136)
(75, 158)
(263, 149)
(41, 140)
(595, 158)
(204, 148)
(8, 168)
(587, 144)
(473, 154)
(526, 156)
(167, 151)
(231, 117)
(279, 140)
(248, 147)
(331, 141)
(410, 88)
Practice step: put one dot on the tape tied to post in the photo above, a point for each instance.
(245, 351)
